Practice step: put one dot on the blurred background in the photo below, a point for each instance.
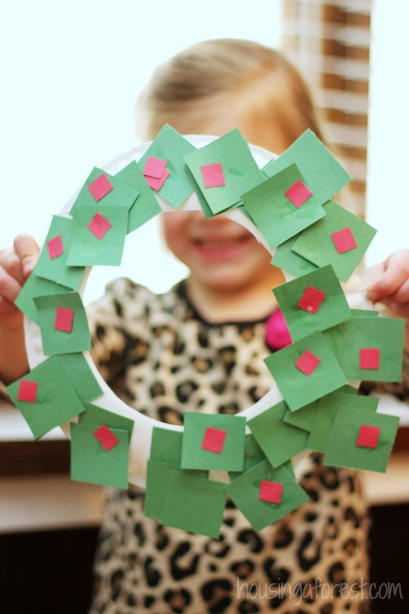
(71, 72)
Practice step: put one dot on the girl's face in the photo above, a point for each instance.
(221, 254)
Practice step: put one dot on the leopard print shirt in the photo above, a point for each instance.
(162, 358)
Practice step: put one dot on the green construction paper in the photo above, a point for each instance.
(240, 170)
(245, 493)
(123, 194)
(171, 146)
(284, 258)
(86, 249)
(96, 415)
(166, 446)
(326, 411)
(341, 449)
(193, 503)
(57, 401)
(333, 310)
(80, 375)
(253, 454)
(303, 418)
(274, 215)
(157, 476)
(57, 341)
(297, 388)
(387, 334)
(207, 212)
(145, 206)
(316, 245)
(91, 463)
(358, 313)
(56, 269)
(36, 286)
(278, 440)
(323, 173)
(232, 456)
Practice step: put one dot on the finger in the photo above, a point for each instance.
(396, 273)
(397, 310)
(9, 287)
(6, 307)
(27, 250)
(402, 294)
(12, 264)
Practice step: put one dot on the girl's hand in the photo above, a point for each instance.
(390, 283)
(16, 264)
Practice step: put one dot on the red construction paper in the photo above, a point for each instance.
(55, 247)
(368, 436)
(156, 184)
(100, 187)
(154, 167)
(344, 240)
(271, 492)
(212, 174)
(298, 194)
(213, 439)
(369, 358)
(64, 318)
(99, 226)
(27, 391)
(307, 362)
(106, 437)
(311, 300)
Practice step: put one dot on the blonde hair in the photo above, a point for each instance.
(249, 82)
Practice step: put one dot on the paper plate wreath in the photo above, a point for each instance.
(286, 202)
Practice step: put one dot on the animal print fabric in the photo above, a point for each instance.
(162, 358)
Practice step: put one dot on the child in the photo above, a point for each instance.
(200, 347)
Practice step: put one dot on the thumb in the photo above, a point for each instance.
(27, 250)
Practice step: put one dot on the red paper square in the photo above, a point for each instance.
(55, 247)
(212, 175)
(106, 437)
(343, 240)
(99, 226)
(298, 194)
(154, 167)
(100, 187)
(213, 439)
(64, 318)
(271, 492)
(27, 391)
(311, 300)
(369, 358)
(156, 184)
(368, 436)
(307, 362)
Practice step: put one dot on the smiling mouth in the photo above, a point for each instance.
(221, 243)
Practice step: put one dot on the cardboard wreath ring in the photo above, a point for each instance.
(139, 449)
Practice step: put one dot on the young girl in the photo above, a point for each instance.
(200, 347)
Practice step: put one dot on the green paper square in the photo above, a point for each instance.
(36, 286)
(56, 269)
(207, 212)
(157, 476)
(86, 249)
(342, 450)
(145, 206)
(123, 194)
(91, 463)
(57, 401)
(240, 170)
(323, 173)
(284, 258)
(387, 334)
(333, 310)
(327, 408)
(96, 415)
(297, 388)
(359, 313)
(316, 244)
(245, 493)
(232, 456)
(253, 454)
(193, 503)
(57, 341)
(166, 446)
(303, 418)
(278, 440)
(171, 146)
(273, 213)
(80, 375)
